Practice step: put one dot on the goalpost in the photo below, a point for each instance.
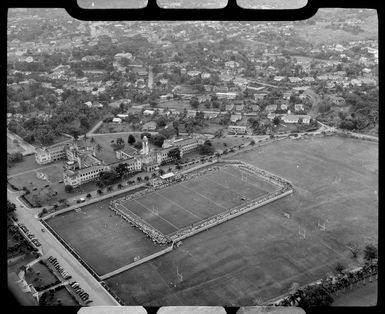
(179, 275)
(303, 233)
(155, 210)
(322, 227)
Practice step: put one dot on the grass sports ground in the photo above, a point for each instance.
(189, 202)
(106, 242)
(260, 254)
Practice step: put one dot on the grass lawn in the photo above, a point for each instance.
(64, 296)
(28, 163)
(39, 275)
(189, 202)
(18, 262)
(260, 254)
(104, 240)
(112, 128)
(229, 141)
(179, 105)
(46, 195)
(13, 147)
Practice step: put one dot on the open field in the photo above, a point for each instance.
(64, 296)
(28, 163)
(259, 255)
(42, 194)
(14, 147)
(189, 202)
(39, 276)
(105, 241)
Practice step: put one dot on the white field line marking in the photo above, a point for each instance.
(201, 195)
(156, 215)
(200, 218)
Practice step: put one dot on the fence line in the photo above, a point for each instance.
(141, 261)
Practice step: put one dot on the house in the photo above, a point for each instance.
(231, 64)
(294, 79)
(290, 118)
(148, 112)
(305, 119)
(122, 116)
(336, 100)
(298, 107)
(271, 116)
(205, 75)
(286, 95)
(149, 126)
(121, 55)
(283, 106)
(237, 129)
(271, 108)
(117, 120)
(278, 78)
(235, 117)
(88, 104)
(259, 96)
(210, 115)
(239, 107)
(309, 79)
(229, 95)
(255, 108)
(193, 73)
(229, 107)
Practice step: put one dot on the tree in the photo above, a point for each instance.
(120, 186)
(69, 188)
(315, 296)
(276, 120)
(99, 147)
(138, 145)
(11, 207)
(340, 267)
(131, 139)
(99, 191)
(370, 252)
(194, 103)
(161, 172)
(92, 140)
(158, 140)
(139, 179)
(174, 153)
(88, 196)
(146, 178)
(119, 141)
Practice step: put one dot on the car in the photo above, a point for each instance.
(75, 285)
(37, 244)
(89, 301)
(84, 298)
(68, 277)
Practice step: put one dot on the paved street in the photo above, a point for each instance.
(51, 246)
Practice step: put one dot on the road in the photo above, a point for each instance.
(51, 246)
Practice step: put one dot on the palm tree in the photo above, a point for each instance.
(99, 147)
(161, 172)
(139, 179)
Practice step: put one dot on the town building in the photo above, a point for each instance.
(237, 129)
